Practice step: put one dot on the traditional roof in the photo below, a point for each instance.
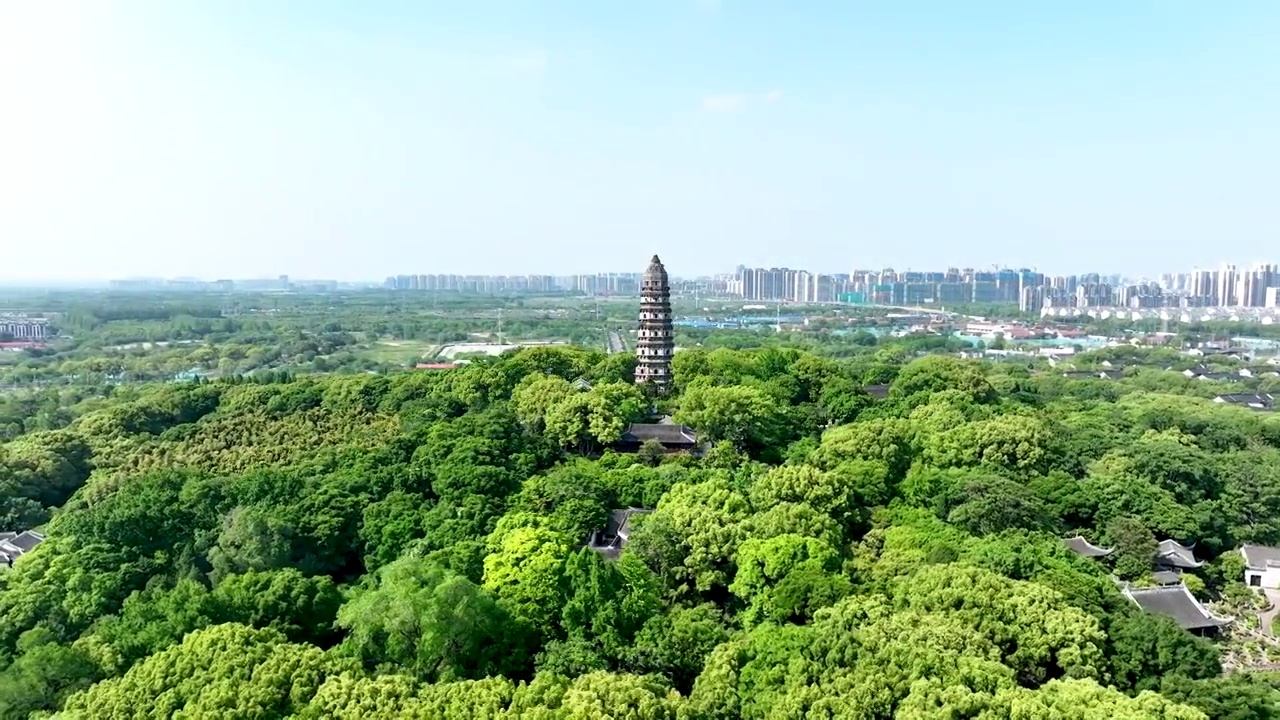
(581, 384)
(656, 269)
(609, 540)
(1258, 401)
(1177, 602)
(1219, 377)
(27, 540)
(1084, 548)
(18, 544)
(1260, 557)
(879, 390)
(1166, 577)
(1170, 553)
(666, 432)
(1256, 370)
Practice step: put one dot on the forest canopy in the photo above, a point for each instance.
(416, 544)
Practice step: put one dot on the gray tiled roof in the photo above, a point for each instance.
(1171, 553)
(1175, 601)
(1262, 401)
(1220, 377)
(1084, 548)
(1260, 557)
(20, 544)
(879, 390)
(665, 433)
(609, 540)
(27, 540)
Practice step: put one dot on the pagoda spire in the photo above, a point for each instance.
(655, 338)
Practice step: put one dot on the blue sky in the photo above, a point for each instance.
(355, 140)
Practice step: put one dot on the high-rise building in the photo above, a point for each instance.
(1254, 285)
(1227, 296)
(655, 339)
(1031, 299)
(1204, 287)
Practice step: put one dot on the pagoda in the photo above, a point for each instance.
(655, 340)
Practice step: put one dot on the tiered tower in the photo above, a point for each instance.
(655, 340)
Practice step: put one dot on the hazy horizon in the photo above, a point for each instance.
(329, 140)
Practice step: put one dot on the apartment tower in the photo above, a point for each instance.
(655, 340)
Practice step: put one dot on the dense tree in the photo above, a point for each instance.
(787, 578)
(1134, 546)
(693, 536)
(44, 676)
(525, 572)
(536, 396)
(1145, 650)
(742, 415)
(390, 525)
(606, 604)
(225, 670)
(675, 644)
(432, 622)
(303, 608)
(936, 373)
(251, 540)
(990, 504)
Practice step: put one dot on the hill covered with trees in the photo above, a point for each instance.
(412, 545)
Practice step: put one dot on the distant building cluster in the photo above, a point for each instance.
(1226, 288)
(1031, 290)
(597, 284)
(196, 285)
(886, 287)
(21, 327)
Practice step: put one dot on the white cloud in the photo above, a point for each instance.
(723, 103)
(735, 102)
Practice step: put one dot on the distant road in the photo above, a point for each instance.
(615, 342)
(917, 308)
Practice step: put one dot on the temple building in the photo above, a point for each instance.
(655, 340)
(1084, 548)
(1174, 557)
(666, 432)
(1177, 602)
(14, 544)
(610, 539)
(1261, 566)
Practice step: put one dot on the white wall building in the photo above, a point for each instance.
(1261, 566)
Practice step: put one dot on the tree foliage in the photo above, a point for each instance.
(429, 544)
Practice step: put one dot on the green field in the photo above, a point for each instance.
(399, 351)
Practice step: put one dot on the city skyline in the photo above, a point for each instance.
(1256, 285)
(324, 140)
(54, 281)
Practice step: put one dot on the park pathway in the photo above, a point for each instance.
(1268, 616)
